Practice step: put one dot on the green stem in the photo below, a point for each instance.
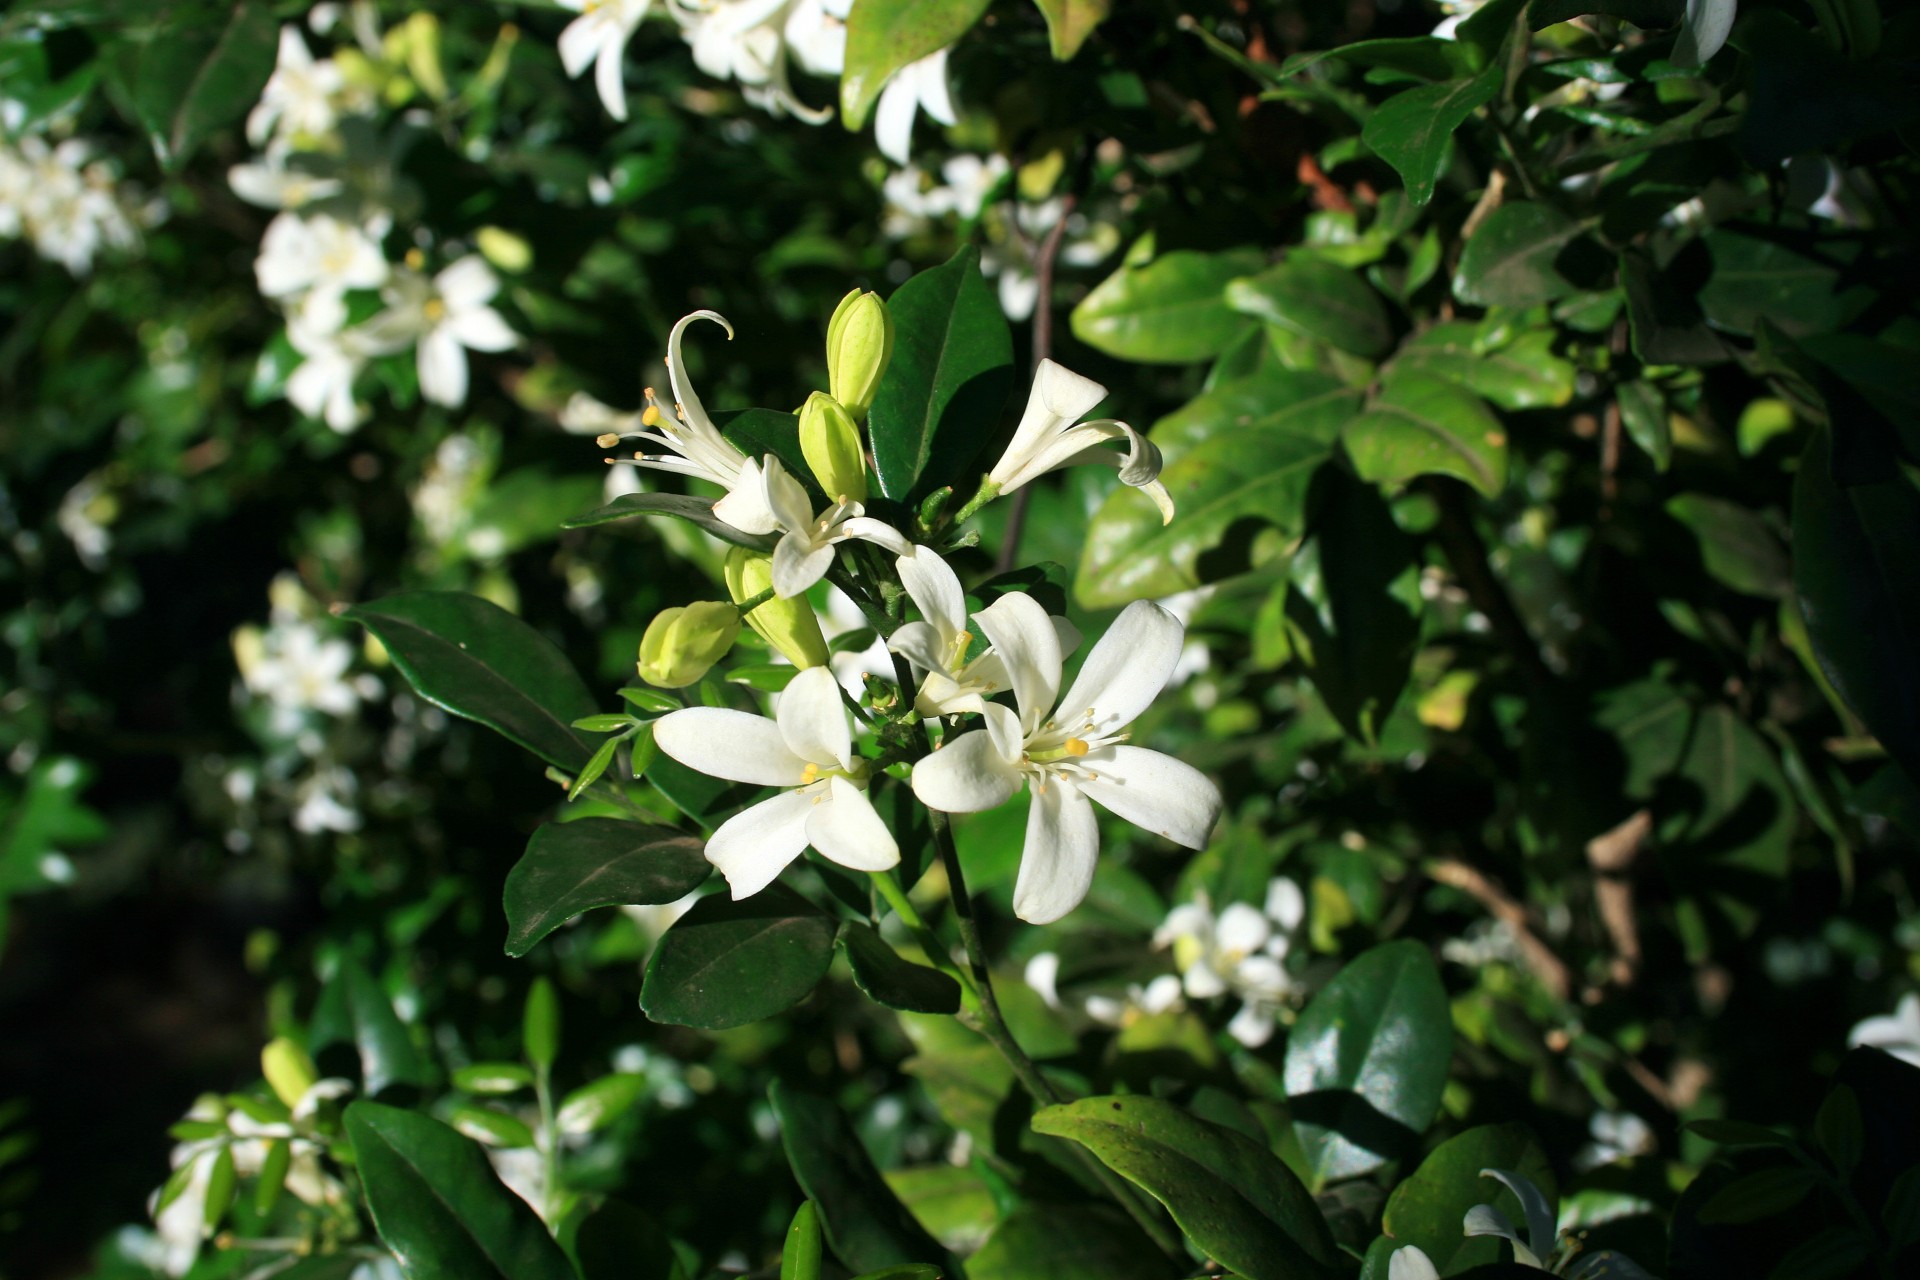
(751, 603)
(987, 492)
(929, 941)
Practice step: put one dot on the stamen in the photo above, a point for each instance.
(608, 440)
(651, 414)
(810, 774)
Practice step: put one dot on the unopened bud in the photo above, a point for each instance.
(682, 644)
(504, 249)
(831, 441)
(788, 625)
(859, 344)
(289, 1071)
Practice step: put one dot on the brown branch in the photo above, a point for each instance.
(1548, 967)
(1612, 855)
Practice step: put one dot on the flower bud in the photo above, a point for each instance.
(682, 644)
(831, 442)
(289, 1071)
(788, 625)
(859, 343)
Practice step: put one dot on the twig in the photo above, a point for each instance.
(1044, 260)
(1612, 855)
(1548, 967)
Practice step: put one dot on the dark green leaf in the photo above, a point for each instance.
(698, 511)
(1762, 1194)
(1524, 374)
(475, 659)
(1643, 412)
(1901, 1213)
(1317, 300)
(1754, 278)
(570, 867)
(438, 1205)
(1509, 262)
(1367, 1061)
(354, 1011)
(943, 390)
(1227, 1193)
(890, 980)
(192, 80)
(1667, 327)
(1170, 311)
(1828, 1255)
(708, 800)
(884, 36)
(726, 963)
(1410, 130)
(1738, 1133)
(866, 1224)
(1422, 425)
(1068, 1242)
(1837, 1128)
(1651, 14)
(1736, 544)
(620, 1242)
(1427, 1208)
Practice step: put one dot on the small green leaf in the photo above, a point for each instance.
(1422, 425)
(1410, 130)
(1839, 1130)
(1524, 374)
(1317, 300)
(273, 1176)
(540, 1025)
(884, 36)
(493, 1128)
(1067, 1242)
(1170, 311)
(438, 1205)
(800, 1256)
(696, 511)
(196, 79)
(354, 1011)
(951, 370)
(571, 867)
(492, 1078)
(1426, 1209)
(1737, 546)
(1509, 261)
(726, 963)
(1643, 412)
(1738, 1133)
(223, 1183)
(1758, 1195)
(1227, 1193)
(1070, 22)
(596, 765)
(888, 979)
(476, 660)
(595, 1105)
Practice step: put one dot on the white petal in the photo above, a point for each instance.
(1242, 928)
(1411, 1263)
(683, 393)
(935, 590)
(1201, 982)
(965, 776)
(1162, 994)
(1166, 796)
(1023, 636)
(579, 43)
(919, 644)
(609, 79)
(812, 722)
(734, 745)
(798, 563)
(786, 497)
(482, 330)
(1043, 975)
(1540, 1216)
(1059, 397)
(844, 828)
(1003, 728)
(1126, 670)
(936, 98)
(1056, 867)
(1485, 1220)
(467, 284)
(745, 506)
(878, 532)
(1263, 977)
(1253, 1027)
(755, 845)
(893, 118)
(443, 368)
(1286, 904)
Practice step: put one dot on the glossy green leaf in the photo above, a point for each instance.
(1737, 545)
(944, 388)
(1070, 22)
(438, 1205)
(1426, 1209)
(1422, 425)
(1318, 300)
(1312, 405)
(1523, 374)
(620, 1242)
(889, 979)
(1367, 1061)
(1759, 1195)
(1752, 278)
(1643, 412)
(953, 1202)
(598, 1103)
(1229, 1194)
(540, 1024)
(865, 1223)
(475, 659)
(1509, 262)
(354, 1011)
(1857, 581)
(696, 511)
(493, 1128)
(727, 963)
(1223, 491)
(570, 867)
(884, 36)
(1068, 1242)
(196, 80)
(1169, 311)
(1411, 130)
(800, 1255)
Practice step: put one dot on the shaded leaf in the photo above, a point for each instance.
(725, 963)
(1070, 22)
(1170, 311)
(1523, 374)
(354, 1011)
(1318, 300)
(885, 35)
(1422, 425)
(1068, 1242)
(1410, 130)
(194, 80)
(890, 979)
(571, 867)
(1426, 1209)
(1509, 261)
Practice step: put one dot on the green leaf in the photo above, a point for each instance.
(1839, 1130)
(438, 1205)
(1170, 311)
(1667, 327)
(598, 1103)
(1739, 548)
(493, 1128)
(1070, 22)
(1762, 1194)
(1524, 374)
(1754, 279)
(885, 35)
(492, 1078)
(708, 800)
(620, 1242)
(1410, 130)
(1738, 1133)
(1831, 1254)
(1229, 1194)
(1068, 1242)
(1317, 300)
(193, 80)
(954, 1203)
(1900, 1215)
(570, 867)
(476, 660)
(725, 963)
(1422, 425)
(866, 1225)
(1313, 405)
(353, 1010)
(944, 388)
(1857, 582)
(888, 979)
(1426, 1209)
(1227, 487)
(800, 1255)
(1367, 1061)
(697, 511)
(1509, 261)
(1643, 412)
(540, 1024)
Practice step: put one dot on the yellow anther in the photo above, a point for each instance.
(1075, 747)
(964, 639)
(608, 440)
(435, 309)
(810, 774)
(651, 414)
(416, 259)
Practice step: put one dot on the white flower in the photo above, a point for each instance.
(1072, 752)
(938, 645)
(1162, 995)
(321, 253)
(303, 98)
(446, 316)
(64, 201)
(1050, 436)
(806, 748)
(1242, 952)
(271, 185)
(748, 41)
(805, 550)
(916, 87)
(326, 803)
(322, 387)
(599, 35)
(84, 515)
(1617, 1135)
(1898, 1034)
(298, 669)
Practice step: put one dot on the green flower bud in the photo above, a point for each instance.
(289, 1071)
(681, 645)
(788, 625)
(831, 442)
(859, 343)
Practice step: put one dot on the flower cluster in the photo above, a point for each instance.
(957, 662)
(67, 202)
(1240, 951)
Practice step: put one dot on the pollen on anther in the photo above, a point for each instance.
(1075, 747)
(608, 440)
(651, 414)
